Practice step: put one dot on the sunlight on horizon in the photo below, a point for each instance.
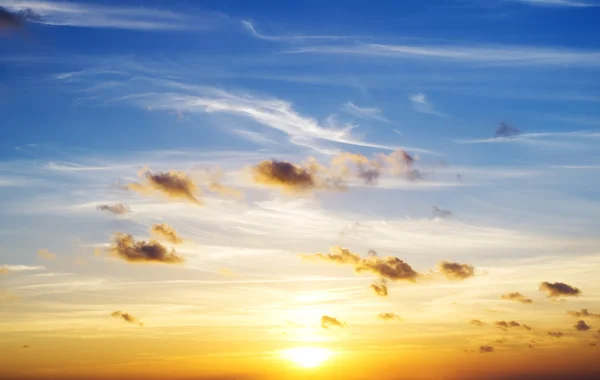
(307, 357)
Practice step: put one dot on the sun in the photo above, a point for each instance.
(307, 357)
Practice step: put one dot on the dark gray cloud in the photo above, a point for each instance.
(506, 325)
(16, 20)
(441, 213)
(327, 322)
(456, 271)
(486, 349)
(389, 317)
(556, 334)
(126, 317)
(118, 209)
(141, 251)
(505, 130)
(284, 175)
(166, 232)
(516, 296)
(559, 289)
(172, 184)
(584, 313)
(581, 326)
(477, 322)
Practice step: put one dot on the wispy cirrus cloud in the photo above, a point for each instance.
(529, 137)
(421, 104)
(249, 26)
(365, 112)
(101, 15)
(560, 3)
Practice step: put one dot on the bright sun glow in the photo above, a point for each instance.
(307, 357)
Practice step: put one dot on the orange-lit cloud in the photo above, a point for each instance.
(486, 349)
(283, 174)
(456, 271)
(213, 181)
(556, 334)
(172, 184)
(581, 326)
(118, 209)
(126, 317)
(130, 250)
(389, 317)
(476, 322)
(559, 289)
(46, 254)
(380, 288)
(327, 322)
(584, 313)
(506, 325)
(166, 232)
(3, 270)
(516, 296)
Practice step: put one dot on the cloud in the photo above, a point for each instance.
(559, 3)
(327, 322)
(128, 249)
(389, 317)
(476, 322)
(283, 174)
(532, 137)
(486, 349)
(249, 26)
(559, 289)
(16, 19)
(365, 112)
(19, 268)
(165, 232)
(421, 104)
(581, 326)
(507, 131)
(88, 15)
(583, 313)
(456, 271)
(380, 288)
(516, 296)
(440, 213)
(172, 184)
(213, 181)
(3, 270)
(389, 267)
(555, 334)
(25, 346)
(126, 317)
(118, 209)
(46, 254)
(506, 325)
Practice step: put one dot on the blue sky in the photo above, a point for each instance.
(93, 92)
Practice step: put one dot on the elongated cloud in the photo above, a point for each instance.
(172, 184)
(389, 317)
(440, 213)
(456, 271)
(555, 334)
(46, 254)
(559, 3)
(118, 209)
(130, 250)
(507, 131)
(126, 317)
(16, 19)
(421, 104)
(486, 349)
(19, 268)
(284, 175)
(516, 296)
(584, 313)
(327, 322)
(559, 289)
(165, 232)
(389, 267)
(506, 325)
(581, 326)
(365, 112)
(477, 322)
(380, 288)
(249, 26)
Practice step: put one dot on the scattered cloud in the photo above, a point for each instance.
(25, 346)
(560, 3)
(421, 104)
(19, 268)
(46, 254)
(555, 334)
(130, 250)
(172, 184)
(440, 213)
(486, 349)
(249, 26)
(118, 209)
(516, 296)
(533, 137)
(559, 289)
(380, 288)
(583, 313)
(506, 131)
(126, 317)
(165, 232)
(389, 317)
(506, 325)
(16, 19)
(365, 112)
(527, 327)
(285, 175)
(327, 322)
(581, 326)
(212, 180)
(476, 322)
(456, 271)
(3, 270)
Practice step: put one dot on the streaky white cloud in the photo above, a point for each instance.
(527, 137)
(421, 104)
(365, 112)
(248, 25)
(22, 268)
(101, 15)
(560, 3)
(501, 55)
(576, 167)
(253, 136)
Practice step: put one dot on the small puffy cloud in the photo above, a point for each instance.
(559, 289)
(593, 344)
(389, 317)
(365, 112)
(421, 104)
(283, 174)
(172, 184)
(440, 213)
(165, 232)
(130, 250)
(387, 268)
(456, 271)
(584, 313)
(327, 322)
(380, 289)
(516, 296)
(581, 326)
(506, 325)
(476, 322)
(25, 346)
(556, 334)
(486, 349)
(46, 254)
(528, 328)
(126, 317)
(118, 209)
(507, 131)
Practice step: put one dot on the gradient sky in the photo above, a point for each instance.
(196, 126)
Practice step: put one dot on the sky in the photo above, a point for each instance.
(300, 190)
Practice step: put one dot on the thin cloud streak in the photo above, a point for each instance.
(365, 112)
(559, 3)
(249, 26)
